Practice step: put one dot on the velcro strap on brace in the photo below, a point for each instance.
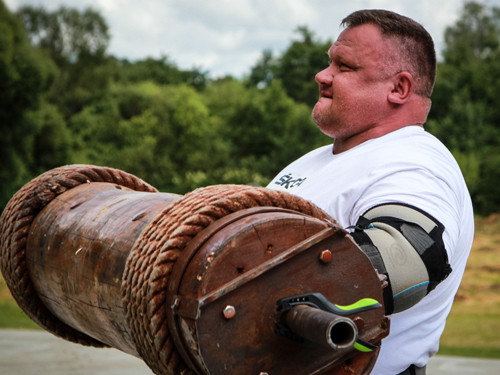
(406, 244)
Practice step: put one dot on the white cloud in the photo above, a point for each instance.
(227, 36)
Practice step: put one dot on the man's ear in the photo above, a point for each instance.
(402, 88)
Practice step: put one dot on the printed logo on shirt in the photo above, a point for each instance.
(288, 181)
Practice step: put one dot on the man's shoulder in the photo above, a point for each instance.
(410, 144)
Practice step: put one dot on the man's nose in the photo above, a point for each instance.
(324, 77)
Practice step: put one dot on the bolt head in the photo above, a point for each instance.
(326, 256)
(229, 312)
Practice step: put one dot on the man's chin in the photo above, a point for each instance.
(320, 115)
(324, 122)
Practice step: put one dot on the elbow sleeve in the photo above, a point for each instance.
(405, 244)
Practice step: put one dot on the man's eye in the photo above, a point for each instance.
(344, 67)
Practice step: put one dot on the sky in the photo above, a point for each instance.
(227, 37)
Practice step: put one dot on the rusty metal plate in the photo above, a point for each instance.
(246, 267)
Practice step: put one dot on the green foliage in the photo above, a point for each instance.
(157, 132)
(470, 165)
(64, 100)
(474, 36)
(24, 75)
(487, 195)
(13, 317)
(266, 129)
(81, 84)
(465, 113)
(300, 63)
(296, 67)
(68, 34)
(264, 70)
(51, 139)
(161, 71)
(76, 42)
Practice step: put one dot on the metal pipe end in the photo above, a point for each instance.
(322, 327)
(341, 334)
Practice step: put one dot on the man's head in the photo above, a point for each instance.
(380, 77)
(415, 47)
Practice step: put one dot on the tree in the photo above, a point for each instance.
(474, 36)
(296, 67)
(162, 133)
(24, 76)
(52, 145)
(265, 128)
(77, 42)
(161, 71)
(465, 112)
(69, 35)
(264, 71)
(300, 63)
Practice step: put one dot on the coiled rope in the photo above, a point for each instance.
(150, 262)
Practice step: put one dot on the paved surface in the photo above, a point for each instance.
(40, 353)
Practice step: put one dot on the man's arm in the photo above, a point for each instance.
(405, 244)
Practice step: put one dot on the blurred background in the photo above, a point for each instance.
(192, 93)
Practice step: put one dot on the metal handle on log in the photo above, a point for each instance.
(322, 327)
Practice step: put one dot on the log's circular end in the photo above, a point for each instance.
(15, 223)
(253, 260)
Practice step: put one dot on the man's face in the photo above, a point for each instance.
(353, 88)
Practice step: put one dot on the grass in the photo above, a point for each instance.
(11, 316)
(472, 329)
(473, 326)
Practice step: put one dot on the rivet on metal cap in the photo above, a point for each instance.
(229, 312)
(326, 256)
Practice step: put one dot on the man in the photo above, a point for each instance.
(396, 186)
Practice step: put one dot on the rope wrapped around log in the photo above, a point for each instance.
(150, 262)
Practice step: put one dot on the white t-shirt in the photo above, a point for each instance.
(406, 166)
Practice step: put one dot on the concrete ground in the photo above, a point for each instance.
(40, 353)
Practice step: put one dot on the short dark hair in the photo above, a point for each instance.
(415, 43)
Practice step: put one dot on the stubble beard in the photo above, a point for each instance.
(325, 120)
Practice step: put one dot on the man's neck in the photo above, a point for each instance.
(343, 144)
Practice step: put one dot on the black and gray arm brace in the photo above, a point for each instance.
(405, 244)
